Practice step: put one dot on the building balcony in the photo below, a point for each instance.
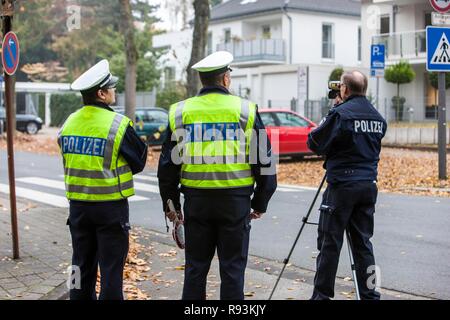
(411, 46)
(256, 52)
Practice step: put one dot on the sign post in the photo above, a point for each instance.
(377, 65)
(10, 59)
(302, 89)
(438, 60)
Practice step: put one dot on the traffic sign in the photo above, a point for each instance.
(440, 19)
(438, 49)
(10, 53)
(377, 73)
(441, 6)
(377, 60)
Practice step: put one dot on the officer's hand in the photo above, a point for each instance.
(172, 215)
(256, 215)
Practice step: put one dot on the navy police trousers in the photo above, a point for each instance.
(213, 223)
(99, 239)
(348, 205)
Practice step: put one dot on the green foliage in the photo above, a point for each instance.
(62, 106)
(400, 73)
(336, 74)
(42, 27)
(433, 77)
(147, 74)
(170, 95)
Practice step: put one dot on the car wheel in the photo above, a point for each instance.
(32, 128)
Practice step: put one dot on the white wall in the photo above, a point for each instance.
(179, 54)
(218, 31)
(307, 39)
(280, 83)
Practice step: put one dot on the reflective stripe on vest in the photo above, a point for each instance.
(93, 168)
(214, 170)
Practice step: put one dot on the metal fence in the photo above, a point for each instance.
(143, 99)
(315, 110)
(260, 49)
(403, 44)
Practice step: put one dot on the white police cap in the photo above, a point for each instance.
(217, 62)
(98, 76)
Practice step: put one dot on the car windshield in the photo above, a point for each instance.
(267, 119)
(158, 116)
(291, 120)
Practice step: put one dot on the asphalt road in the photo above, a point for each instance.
(412, 243)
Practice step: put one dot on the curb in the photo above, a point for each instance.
(59, 293)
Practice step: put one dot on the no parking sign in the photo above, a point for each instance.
(10, 53)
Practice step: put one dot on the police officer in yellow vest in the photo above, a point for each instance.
(213, 150)
(101, 152)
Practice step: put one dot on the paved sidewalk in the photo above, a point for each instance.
(46, 253)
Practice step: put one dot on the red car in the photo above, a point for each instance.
(292, 128)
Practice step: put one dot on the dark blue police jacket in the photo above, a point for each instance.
(350, 138)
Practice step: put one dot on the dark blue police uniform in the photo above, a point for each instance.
(99, 232)
(216, 219)
(350, 138)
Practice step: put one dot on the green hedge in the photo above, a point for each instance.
(61, 106)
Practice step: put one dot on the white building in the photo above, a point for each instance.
(271, 40)
(400, 25)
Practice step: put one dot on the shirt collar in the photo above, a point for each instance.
(353, 96)
(102, 105)
(213, 89)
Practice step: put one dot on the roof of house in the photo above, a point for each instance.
(238, 8)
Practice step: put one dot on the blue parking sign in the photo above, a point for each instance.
(377, 60)
(438, 49)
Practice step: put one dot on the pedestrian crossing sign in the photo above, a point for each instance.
(438, 49)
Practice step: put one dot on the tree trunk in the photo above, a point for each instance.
(199, 41)
(131, 61)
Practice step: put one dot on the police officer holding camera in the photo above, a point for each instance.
(350, 139)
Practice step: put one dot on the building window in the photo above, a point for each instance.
(427, 19)
(266, 34)
(327, 41)
(227, 35)
(209, 46)
(359, 43)
(385, 24)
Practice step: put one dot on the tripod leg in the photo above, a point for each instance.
(352, 263)
(304, 222)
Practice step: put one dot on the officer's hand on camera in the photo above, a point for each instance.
(256, 215)
(338, 100)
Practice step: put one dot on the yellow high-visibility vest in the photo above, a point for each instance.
(214, 132)
(93, 168)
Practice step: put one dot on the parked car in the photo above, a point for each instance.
(150, 123)
(28, 123)
(293, 131)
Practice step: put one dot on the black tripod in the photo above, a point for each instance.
(305, 222)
